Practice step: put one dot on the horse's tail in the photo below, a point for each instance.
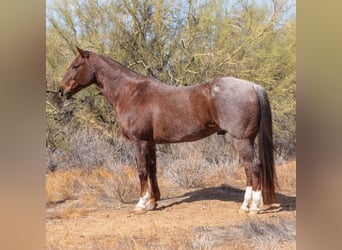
(268, 173)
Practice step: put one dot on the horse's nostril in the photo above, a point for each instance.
(60, 91)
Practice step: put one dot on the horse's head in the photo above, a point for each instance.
(79, 75)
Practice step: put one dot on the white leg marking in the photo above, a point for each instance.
(150, 206)
(257, 201)
(143, 202)
(247, 199)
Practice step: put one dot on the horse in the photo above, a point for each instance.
(150, 112)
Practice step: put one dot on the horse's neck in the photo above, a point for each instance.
(114, 79)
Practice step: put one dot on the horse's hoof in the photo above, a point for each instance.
(244, 208)
(151, 206)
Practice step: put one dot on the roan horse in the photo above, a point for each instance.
(151, 112)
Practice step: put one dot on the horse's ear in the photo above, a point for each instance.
(83, 53)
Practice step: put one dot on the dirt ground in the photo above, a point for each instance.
(196, 218)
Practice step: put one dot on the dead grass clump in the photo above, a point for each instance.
(187, 173)
(120, 182)
(69, 213)
(269, 234)
(287, 175)
(87, 148)
(198, 163)
(89, 186)
(63, 185)
(203, 241)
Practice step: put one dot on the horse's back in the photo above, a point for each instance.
(233, 87)
(181, 113)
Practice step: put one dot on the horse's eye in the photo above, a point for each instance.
(75, 66)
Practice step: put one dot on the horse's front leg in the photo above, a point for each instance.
(145, 156)
(152, 174)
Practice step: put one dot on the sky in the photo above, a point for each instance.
(48, 2)
(269, 2)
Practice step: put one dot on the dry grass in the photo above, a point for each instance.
(202, 241)
(64, 185)
(179, 241)
(212, 160)
(69, 213)
(121, 182)
(271, 233)
(88, 148)
(196, 164)
(287, 175)
(89, 188)
(261, 233)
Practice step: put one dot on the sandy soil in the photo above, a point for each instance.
(198, 218)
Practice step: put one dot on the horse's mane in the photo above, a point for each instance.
(121, 66)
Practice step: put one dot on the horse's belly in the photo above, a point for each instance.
(184, 134)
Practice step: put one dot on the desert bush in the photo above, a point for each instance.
(87, 148)
(64, 185)
(287, 175)
(120, 182)
(190, 164)
(187, 164)
(187, 173)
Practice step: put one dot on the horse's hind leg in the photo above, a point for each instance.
(252, 198)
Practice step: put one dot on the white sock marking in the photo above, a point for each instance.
(257, 201)
(248, 194)
(247, 198)
(143, 200)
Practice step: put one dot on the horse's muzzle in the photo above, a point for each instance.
(63, 93)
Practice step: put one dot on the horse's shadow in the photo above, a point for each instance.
(225, 193)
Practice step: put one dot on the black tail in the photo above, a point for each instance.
(268, 173)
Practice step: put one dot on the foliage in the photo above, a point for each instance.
(178, 42)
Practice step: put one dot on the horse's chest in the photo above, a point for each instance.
(135, 125)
